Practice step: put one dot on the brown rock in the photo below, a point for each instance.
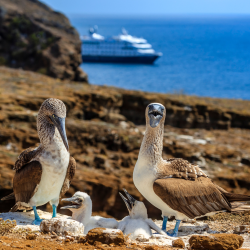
(34, 37)
(64, 226)
(31, 236)
(216, 241)
(242, 229)
(178, 243)
(82, 239)
(105, 236)
(149, 248)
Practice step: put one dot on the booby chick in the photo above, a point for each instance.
(81, 207)
(137, 223)
(175, 186)
(43, 174)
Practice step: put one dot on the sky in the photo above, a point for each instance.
(153, 7)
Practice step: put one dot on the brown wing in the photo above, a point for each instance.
(192, 198)
(26, 156)
(179, 168)
(26, 181)
(69, 176)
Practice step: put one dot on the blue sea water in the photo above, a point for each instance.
(203, 56)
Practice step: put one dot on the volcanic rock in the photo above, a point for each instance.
(178, 243)
(64, 226)
(242, 229)
(31, 236)
(216, 241)
(105, 236)
(34, 37)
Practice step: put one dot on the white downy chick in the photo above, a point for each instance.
(81, 207)
(137, 224)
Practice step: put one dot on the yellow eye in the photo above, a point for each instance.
(54, 116)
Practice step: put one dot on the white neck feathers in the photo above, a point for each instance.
(83, 214)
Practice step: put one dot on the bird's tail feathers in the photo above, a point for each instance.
(236, 197)
(238, 207)
(15, 208)
(8, 197)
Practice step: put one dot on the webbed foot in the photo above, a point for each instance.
(176, 228)
(37, 222)
(174, 234)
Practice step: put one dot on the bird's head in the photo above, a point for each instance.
(77, 202)
(53, 113)
(136, 209)
(155, 114)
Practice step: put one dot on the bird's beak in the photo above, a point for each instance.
(74, 203)
(130, 201)
(60, 124)
(155, 113)
(126, 202)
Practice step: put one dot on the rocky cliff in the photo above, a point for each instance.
(34, 37)
(105, 126)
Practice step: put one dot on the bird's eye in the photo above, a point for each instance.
(54, 116)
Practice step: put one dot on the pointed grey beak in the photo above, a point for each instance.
(75, 203)
(130, 201)
(60, 124)
(126, 202)
(155, 113)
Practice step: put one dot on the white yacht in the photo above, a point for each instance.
(123, 48)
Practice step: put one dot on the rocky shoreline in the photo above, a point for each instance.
(105, 127)
(194, 234)
(105, 130)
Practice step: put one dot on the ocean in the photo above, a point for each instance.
(202, 56)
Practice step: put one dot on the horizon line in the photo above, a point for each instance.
(161, 15)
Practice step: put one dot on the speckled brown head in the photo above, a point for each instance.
(52, 115)
(155, 114)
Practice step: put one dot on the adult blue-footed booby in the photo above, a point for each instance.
(175, 186)
(137, 223)
(43, 174)
(81, 207)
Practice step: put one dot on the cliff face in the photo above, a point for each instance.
(105, 128)
(34, 37)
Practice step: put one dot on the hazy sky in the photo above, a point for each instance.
(154, 7)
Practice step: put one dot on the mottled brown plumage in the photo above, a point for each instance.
(179, 168)
(25, 183)
(69, 176)
(26, 156)
(192, 198)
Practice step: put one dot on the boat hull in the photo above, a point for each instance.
(120, 59)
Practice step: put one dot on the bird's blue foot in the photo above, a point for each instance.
(54, 211)
(164, 223)
(176, 228)
(172, 234)
(37, 220)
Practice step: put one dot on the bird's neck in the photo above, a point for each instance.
(48, 133)
(83, 215)
(152, 145)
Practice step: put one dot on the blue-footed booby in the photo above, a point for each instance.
(175, 186)
(43, 174)
(137, 223)
(81, 207)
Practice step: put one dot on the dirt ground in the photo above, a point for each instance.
(52, 242)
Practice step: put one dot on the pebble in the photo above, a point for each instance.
(178, 243)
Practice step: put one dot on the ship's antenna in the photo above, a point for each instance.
(95, 28)
(124, 31)
(91, 31)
